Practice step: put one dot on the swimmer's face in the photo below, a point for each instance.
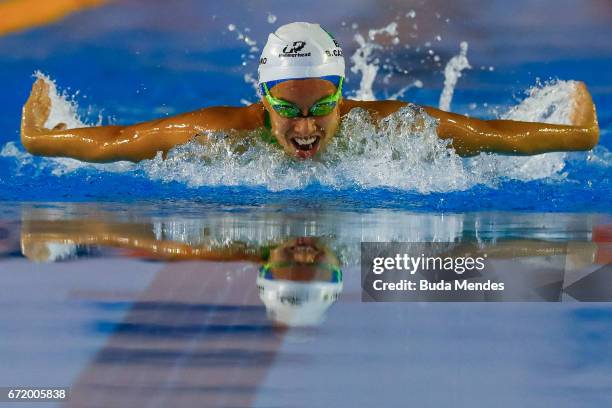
(302, 259)
(303, 137)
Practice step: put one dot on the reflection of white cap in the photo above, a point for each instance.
(300, 50)
(297, 303)
(48, 251)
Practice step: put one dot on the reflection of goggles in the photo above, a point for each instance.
(289, 110)
(266, 270)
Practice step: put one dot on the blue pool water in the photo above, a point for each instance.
(123, 63)
(86, 304)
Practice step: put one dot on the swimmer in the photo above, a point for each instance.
(301, 75)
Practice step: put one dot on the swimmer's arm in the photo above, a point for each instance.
(471, 136)
(135, 142)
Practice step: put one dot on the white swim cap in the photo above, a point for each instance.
(300, 50)
(297, 304)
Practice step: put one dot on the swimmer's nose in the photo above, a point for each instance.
(305, 126)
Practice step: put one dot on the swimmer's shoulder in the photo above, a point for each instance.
(248, 117)
(376, 108)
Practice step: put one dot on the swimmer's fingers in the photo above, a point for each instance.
(37, 108)
(584, 113)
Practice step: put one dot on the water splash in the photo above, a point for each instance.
(271, 18)
(416, 84)
(600, 156)
(243, 36)
(403, 152)
(64, 107)
(452, 73)
(545, 103)
(364, 63)
(549, 103)
(249, 58)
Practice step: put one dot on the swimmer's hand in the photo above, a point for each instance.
(584, 113)
(36, 112)
(37, 109)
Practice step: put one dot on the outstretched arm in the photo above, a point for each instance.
(135, 142)
(471, 136)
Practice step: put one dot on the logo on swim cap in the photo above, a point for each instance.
(297, 46)
(300, 50)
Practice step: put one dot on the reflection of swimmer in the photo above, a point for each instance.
(299, 279)
(300, 282)
(301, 73)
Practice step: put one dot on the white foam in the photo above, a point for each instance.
(549, 103)
(600, 156)
(59, 166)
(397, 154)
(11, 149)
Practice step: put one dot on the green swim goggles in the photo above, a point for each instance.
(322, 107)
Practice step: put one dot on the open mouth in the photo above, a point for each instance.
(305, 146)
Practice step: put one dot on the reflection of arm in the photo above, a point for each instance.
(135, 142)
(37, 234)
(471, 136)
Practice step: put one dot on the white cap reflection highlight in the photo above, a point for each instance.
(46, 252)
(297, 304)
